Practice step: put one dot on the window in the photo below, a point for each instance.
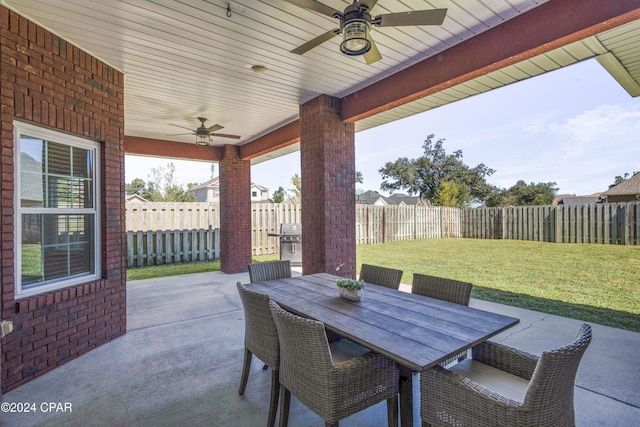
(57, 210)
(254, 194)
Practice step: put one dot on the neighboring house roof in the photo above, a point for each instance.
(370, 197)
(136, 198)
(215, 182)
(578, 200)
(400, 199)
(31, 187)
(628, 187)
(559, 197)
(374, 198)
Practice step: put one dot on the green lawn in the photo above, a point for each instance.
(595, 283)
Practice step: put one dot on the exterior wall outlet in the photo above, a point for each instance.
(6, 326)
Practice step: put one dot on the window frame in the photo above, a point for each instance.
(19, 129)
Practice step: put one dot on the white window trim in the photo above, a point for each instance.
(20, 128)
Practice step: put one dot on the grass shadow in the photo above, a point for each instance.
(602, 316)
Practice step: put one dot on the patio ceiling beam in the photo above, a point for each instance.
(546, 27)
(281, 137)
(170, 149)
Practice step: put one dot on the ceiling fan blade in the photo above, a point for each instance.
(224, 135)
(215, 128)
(175, 134)
(369, 3)
(316, 6)
(315, 42)
(182, 127)
(419, 17)
(374, 54)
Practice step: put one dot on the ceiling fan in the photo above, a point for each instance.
(203, 134)
(356, 22)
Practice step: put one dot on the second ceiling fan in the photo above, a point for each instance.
(356, 22)
(203, 134)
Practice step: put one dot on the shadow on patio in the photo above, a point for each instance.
(180, 363)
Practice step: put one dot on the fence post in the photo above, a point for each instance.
(384, 224)
(558, 224)
(130, 246)
(626, 224)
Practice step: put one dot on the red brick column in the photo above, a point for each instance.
(235, 211)
(327, 155)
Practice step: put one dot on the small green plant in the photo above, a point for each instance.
(350, 284)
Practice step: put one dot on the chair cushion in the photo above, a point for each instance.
(344, 349)
(501, 382)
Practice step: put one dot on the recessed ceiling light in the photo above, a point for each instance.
(259, 68)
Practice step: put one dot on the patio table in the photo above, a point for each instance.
(415, 331)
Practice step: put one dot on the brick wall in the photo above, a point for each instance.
(47, 81)
(327, 154)
(235, 211)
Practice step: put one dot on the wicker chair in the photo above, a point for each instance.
(331, 388)
(381, 276)
(261, 339)
(502, 386)
(443, 289)
(272, 270)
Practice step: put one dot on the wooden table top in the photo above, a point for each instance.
(416, 331)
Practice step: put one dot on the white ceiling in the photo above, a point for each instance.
(184, 59)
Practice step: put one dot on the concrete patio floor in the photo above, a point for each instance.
(179, 364)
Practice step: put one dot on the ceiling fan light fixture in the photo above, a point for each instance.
(203, 138)
(355, 37)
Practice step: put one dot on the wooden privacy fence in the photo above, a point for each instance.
(604, 223)
(265, 219)
(165, 233)
(380, 224)
(169, 233)
(145, 248)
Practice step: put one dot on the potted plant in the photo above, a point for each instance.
(350, 289)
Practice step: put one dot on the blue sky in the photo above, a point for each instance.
(575, 126)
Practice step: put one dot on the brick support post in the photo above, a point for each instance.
(235, 211)
(327, 155)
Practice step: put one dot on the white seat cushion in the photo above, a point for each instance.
(343, 349)
(503, 383)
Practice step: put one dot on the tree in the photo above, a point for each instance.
(523, 194)
(359, 177)
(424, 175)
(297, 186)
(452, 194)
(279, 195)
(137, 186)
(160, 187)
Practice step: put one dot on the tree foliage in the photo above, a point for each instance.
(452, 194)
(137, 186)
(279, 195)
(296, 191)
(161, 186)
(424, 175)
(523, 194)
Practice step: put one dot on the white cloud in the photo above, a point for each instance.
(601, 125)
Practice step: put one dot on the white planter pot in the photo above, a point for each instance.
(354, 295)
